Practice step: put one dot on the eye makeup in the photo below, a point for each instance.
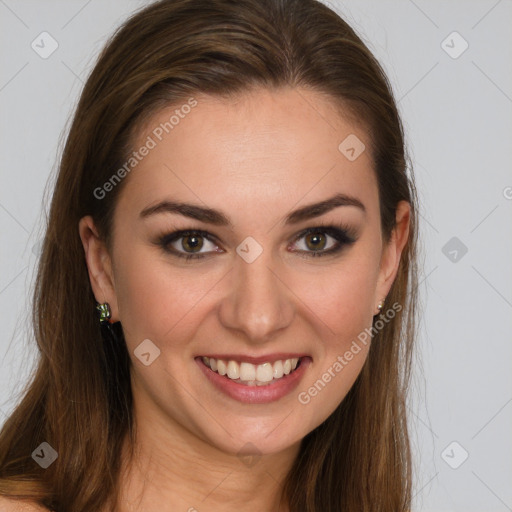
(343, 235)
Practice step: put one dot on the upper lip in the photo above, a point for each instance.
(269, 358)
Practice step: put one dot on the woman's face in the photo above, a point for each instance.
(244, 176)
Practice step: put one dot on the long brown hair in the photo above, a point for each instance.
(79, 398)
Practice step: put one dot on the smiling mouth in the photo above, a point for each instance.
(253, 374)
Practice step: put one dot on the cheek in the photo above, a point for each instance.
(343, 297)
(342, 304)
(346, 314)
(156, 299)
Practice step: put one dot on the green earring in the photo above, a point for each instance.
(103, 312)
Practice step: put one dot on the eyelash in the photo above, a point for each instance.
(343, 235)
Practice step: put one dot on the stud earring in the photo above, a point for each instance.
(104, 312)
(380, 306)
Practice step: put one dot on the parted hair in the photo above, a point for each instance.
(79, 396)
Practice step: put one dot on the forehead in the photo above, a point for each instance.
(260, 149)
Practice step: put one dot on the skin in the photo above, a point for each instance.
(256, 159)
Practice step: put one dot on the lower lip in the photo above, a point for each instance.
(256, 394)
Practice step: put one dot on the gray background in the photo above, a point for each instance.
(457, 115)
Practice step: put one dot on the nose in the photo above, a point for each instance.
(259, 303)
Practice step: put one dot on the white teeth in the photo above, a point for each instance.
(278, 369)
(264, 372)
(250, 374)
(221, 367)
(247, 371)
(233, 370)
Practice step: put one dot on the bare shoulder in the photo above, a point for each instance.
(13, 505)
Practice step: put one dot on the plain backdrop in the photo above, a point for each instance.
(449, 64)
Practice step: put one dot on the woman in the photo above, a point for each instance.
(225, 303)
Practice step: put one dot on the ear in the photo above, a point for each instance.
(391, 252)
(99, 265)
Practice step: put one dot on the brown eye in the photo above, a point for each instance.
(324, 240)
(188, 244)
(192, 243)
(316, 241)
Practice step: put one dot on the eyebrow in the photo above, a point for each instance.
(218, 218)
